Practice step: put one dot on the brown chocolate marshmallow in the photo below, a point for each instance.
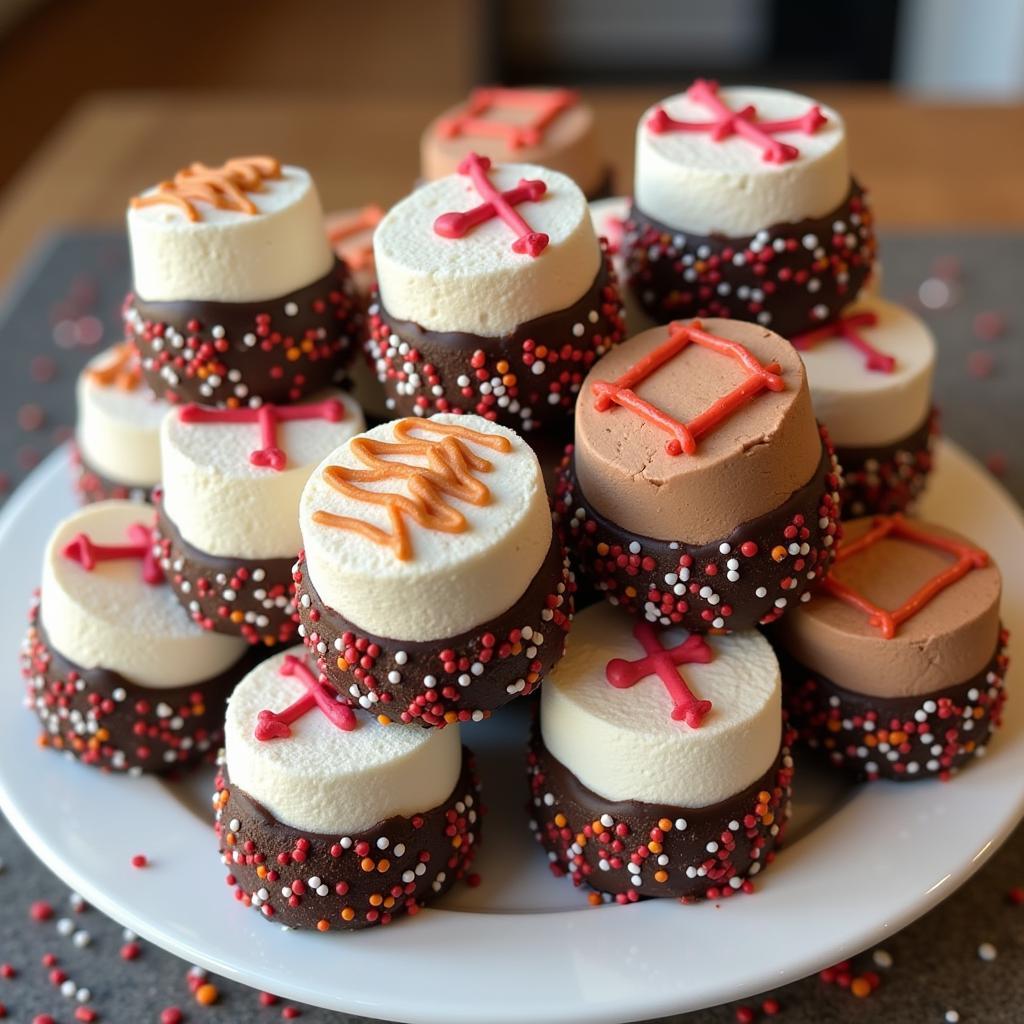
(946, 642)
(744, 467)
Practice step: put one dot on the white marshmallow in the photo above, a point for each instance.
(326, 780)
(111, 618)
(608, 216)
(224, 505)
(864, 407)
(118, 430)
(689, 182)
(452, 581)
(228, 255)
(476, 283)
(623, 743)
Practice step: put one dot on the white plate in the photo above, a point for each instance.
(860, 863)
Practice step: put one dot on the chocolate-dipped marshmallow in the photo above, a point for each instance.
(432, 589)
(896, 668)
(117, 672)
(700, 491)
(870, 374)
(326, 818)
(549, 127)
(659, 766)
(495, 297)
(237, 295)
(117, 435)
(227, 518)
(744, 207)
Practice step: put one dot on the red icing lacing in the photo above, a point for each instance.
(88, 554)
(684, 435)
(663, 662)
(739, 122)
(276, 725)
(846, 327)
(471, 120)
(267, 416)
(887, 621)
(496, 204)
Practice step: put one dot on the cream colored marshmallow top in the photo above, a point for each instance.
(476, 283)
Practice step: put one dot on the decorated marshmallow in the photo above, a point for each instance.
(870, 374)
(550, 127)
(117, 435)
(897, 668)
(237, 295)
(118, 673)
(228, 515)
(362, 822)
(494, 296)
(663, 749)
(744, 207)
(431, 586)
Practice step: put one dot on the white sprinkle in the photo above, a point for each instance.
(290, 309)
(882, 958)
(81, 939)
(987, 952)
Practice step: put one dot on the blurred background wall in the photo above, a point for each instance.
(55, 52)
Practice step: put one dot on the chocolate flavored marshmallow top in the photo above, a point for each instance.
(743, 467)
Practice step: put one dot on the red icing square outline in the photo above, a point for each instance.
(684, 435)
(547, 105)
(968, 557)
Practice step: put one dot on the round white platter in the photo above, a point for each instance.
(860, 861)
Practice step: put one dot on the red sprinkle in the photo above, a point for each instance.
(1015, 896)
(140, 861)
(43, 369)
(31, 417)
(130, 951)
(770, 1007)
(744, 1015)
(86, 1015)
(981, 364)
(43, 1018)
(996, 463)
(989, 325)
(291, 1012)
(7, 971)
(268, 999)
(3, 1011)
(171, 1015)
(40, 911)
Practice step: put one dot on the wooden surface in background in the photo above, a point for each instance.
(926, 166)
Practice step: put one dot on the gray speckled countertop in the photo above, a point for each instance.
(66, 303)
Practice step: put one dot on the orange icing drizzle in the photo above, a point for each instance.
(358, 255)
(683, 436)
(122, 371)
(223, 188)
(449, 472)
(968, 557)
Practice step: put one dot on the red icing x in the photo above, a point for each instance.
(83, 550)
(276, 725)
(664, 662)
(846, 327)
(739, 122)
(684, 435)
(496, 204)
(887, 621)
(546, 105)
(267, 416)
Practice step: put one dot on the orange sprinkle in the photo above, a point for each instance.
(323, 925)
(207, 995)
(860, 987)
(348, 914)
(367, 864)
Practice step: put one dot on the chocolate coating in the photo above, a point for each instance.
(934, 734)
(748, 577)
(538, 368)
(105, 720)
(360, 884)
(474, 673)
(253, 598)
(766, 277)
(596, 841)
(91, 485)
(887, 478)
(228, 353)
